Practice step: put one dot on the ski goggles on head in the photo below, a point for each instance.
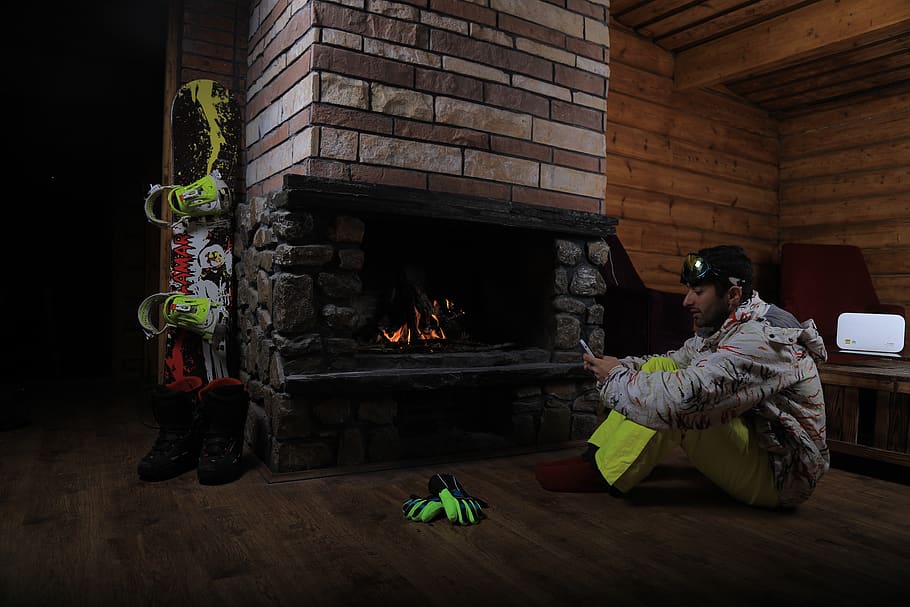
(696, 269)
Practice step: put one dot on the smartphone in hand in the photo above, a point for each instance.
(587, 349)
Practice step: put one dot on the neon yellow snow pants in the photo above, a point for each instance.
(728, 455)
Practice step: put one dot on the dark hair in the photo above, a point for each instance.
(729, 261)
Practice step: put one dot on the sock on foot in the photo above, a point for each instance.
(587, 456)
(569, 461)
(573, 476)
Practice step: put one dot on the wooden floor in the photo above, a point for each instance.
(77, 527)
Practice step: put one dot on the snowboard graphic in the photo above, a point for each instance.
(195, 315)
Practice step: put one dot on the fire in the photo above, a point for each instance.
(422, 327)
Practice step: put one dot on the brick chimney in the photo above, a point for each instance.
(500, 98)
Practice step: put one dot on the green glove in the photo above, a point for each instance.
(460, 507)
(423, 509)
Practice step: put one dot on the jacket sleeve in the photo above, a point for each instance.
(681, 357)
(715, 387)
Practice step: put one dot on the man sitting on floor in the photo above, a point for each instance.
(742, 398)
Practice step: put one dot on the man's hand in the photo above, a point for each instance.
(600, 367)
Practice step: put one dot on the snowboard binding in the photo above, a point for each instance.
(201, 315)
(205, 197)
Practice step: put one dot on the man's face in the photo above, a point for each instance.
(708, 309)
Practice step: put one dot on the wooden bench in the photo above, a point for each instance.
(868, 408)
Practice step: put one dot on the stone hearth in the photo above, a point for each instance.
(441, 158)
(318, 262)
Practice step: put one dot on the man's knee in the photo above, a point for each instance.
(659, 363)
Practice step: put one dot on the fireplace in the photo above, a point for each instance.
(385, 323)
(419, 246)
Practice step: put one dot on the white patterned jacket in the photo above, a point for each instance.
(751, 368)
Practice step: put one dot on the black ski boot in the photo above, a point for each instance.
(176, 450)
(224, 408)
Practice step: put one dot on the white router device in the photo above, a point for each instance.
(875, 334)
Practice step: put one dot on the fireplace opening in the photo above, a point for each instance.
(437, 285)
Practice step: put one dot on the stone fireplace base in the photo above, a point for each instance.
(318, 265)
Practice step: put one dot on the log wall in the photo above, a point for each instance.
(845, 179)
(686, 170)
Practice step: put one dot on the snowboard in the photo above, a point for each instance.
(195, 314)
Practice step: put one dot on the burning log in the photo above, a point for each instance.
(424, 319)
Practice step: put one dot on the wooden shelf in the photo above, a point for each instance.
(866, 452)
(874, 374)
(869, 402)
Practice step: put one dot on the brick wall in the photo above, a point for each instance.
(499, 98)
(212, 36)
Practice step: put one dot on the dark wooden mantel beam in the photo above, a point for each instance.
(304, 191)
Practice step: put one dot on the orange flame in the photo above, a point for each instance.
(425, 328)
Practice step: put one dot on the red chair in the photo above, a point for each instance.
(639, 320)
(820, 281)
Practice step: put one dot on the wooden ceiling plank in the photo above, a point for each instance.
(653, 11)
(841, 89)
(620, 7)
(829, 63)
(724, 24)
(837, 75)
(689, 17)
(802, 34)
(844, 114)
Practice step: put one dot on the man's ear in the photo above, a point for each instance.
(735, 295)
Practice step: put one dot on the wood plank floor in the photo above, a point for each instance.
(77, 527)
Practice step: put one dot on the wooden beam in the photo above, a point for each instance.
(823, 27)
(160, 251)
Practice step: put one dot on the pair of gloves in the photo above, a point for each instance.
(446, 495)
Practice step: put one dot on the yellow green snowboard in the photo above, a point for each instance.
(206, 135)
